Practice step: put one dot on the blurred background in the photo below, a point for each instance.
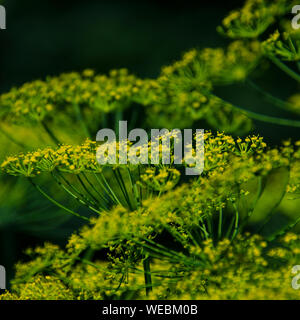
(53, 36)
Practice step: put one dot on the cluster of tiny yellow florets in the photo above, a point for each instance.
(88, 96)
(191, 206)
(213, 64)
(81, 158)
(246, 268)
(187, 84)
(66, 158)
(220, 153)
(285, 45)
(180, 95)
(38, 99)
(253, 18)
(294, 185)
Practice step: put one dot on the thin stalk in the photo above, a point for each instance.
(104, 120)
(209, 224)
(229, 230)
(251, 210)
(197, 236)
(262, 117)
(93, 187)
(106, 192)
(173, 255)
(120, 181)
(195, 242)
(124, 188)
(118, 118)
(292, 47)
(86, 189)
(70, 185)
(236, 224)
(285, 68)
(57, 203)
(165, 252)
(220, 223)
(284, 230)
(257, 116)
(76, 197)
(81, 120)
(203, 228)
(110, 190)
(271, 214)
(50, 133)
(269, 97)
(140, 187)
(147, 275)
(133, 189)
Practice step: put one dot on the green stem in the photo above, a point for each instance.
(110, 190)
(134, 189)
(161, 252)
(203, 228)
(122, 186)
(262, 117)
(50, 133)
(79, 194)
(118, 118)
(236, 224)
(251, 210)
(140, 187)
(93, 187)
(220, 223)
(292, 47)
(111, 196)
(81, 120)
(230, 227)
(147, 275)
(284, 230)
(270, 98)
(86, 189)
(76, 197)
(285, 68)
(57, 203)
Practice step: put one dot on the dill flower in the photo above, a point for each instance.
(253, 18)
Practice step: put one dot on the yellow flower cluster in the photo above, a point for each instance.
(65, 158)
(191, 206)
(254, 18)
(38, 99)
(184, 93)
(213, 64)
(221, 153)
(294, 185)
(177, 98)
(160, 179)
(285, 45)
(76, 159)
(247, 268)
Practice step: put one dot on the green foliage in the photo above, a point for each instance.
(149, 231)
